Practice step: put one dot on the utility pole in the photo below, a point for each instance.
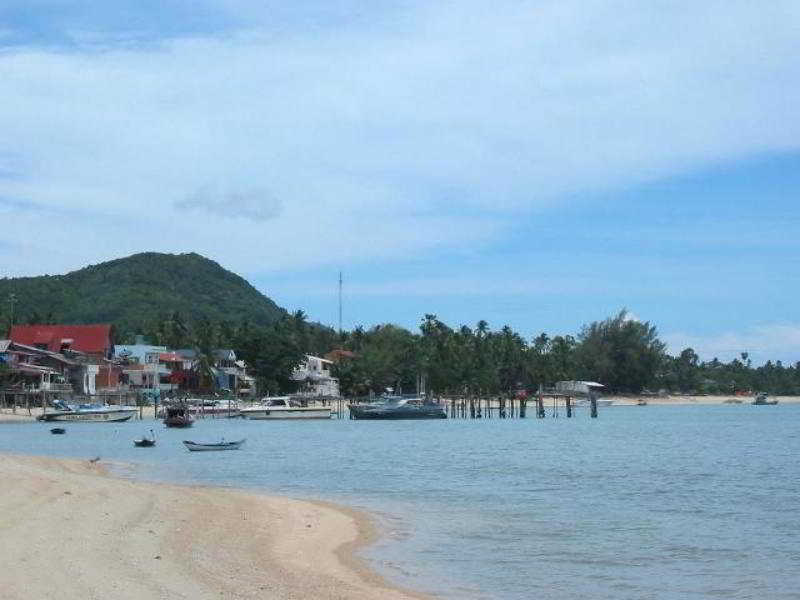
(340, 304)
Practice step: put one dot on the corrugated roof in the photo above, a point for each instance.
(92, 339)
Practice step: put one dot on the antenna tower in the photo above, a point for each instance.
(340, 303)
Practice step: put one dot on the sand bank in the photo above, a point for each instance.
(678, 400)
(70, 531)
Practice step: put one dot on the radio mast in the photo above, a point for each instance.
(340, 304)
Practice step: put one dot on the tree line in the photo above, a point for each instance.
(624, 354)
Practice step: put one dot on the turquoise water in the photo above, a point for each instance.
(645, 502)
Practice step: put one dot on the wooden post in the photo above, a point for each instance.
(593, 402)
(568, 402)
(522, 407)
(540, 404)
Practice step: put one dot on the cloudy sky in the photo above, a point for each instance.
(542, 164)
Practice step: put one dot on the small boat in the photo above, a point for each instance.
(92, 413)
(178, 416)
(762, 400)
(397, 407)
(58, 430)
(284, 407)
(222, 445)
(586, 402)
(146, 442)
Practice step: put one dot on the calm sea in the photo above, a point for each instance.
(645, 502)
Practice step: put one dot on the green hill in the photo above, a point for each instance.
(138, 289)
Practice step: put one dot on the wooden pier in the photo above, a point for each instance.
(541, 405)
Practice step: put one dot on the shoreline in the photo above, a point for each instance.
(73, 530)
(22, 416)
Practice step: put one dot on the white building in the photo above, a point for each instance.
(315, 373)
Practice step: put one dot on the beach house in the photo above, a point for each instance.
(315, 375)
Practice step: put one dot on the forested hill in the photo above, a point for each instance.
(136, 290)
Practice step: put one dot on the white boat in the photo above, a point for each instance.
(93, 413)
(587, 402)
(284, 407)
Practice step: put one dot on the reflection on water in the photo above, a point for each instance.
(656, 502)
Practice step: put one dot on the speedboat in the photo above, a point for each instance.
(94, 413)
(222, 445)
(397, 407)
(284, 407)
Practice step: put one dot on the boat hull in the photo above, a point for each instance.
(195, 447)
(112, 416)
(394, 414)
(179, 422)
(277, 413)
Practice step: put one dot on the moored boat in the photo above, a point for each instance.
(146, 442)
(93, 413)
(222, 445)
(284, 407)
(763, 400)
(397, 407)
(600, 402)
(178, 416)
(58, 430)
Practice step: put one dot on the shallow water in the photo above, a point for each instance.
(645, 502)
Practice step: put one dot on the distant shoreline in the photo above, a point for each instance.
(21, 416)
(73, 531)
(679, 400)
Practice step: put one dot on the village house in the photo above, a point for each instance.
(315, 374)
(229, 373)
(145, 366)
(35, 369)
(92, 340)
(89, 346)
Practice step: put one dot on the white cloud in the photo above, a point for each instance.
(780, 341)
(386, 142)
(256, 205)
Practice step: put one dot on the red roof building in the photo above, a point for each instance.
(95, 340)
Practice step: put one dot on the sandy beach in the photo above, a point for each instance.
(71, 531)
(678, 399)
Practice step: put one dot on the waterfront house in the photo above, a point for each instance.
(315, 374)
(228, 372)
(34, 369)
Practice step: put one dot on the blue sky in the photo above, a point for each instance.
(541, 164)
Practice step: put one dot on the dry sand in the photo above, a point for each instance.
(69, 531)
